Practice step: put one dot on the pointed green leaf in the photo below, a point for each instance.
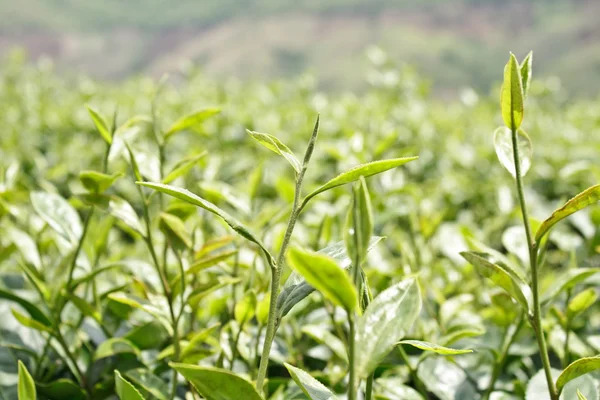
(33, 310)
(326, 276)
(190, 197)
(366, 170)
(125, 390)
(148, 383)
(175, 230)
(500, 275)
(436, 348)
(182, 167)
(385, 322)
(101, 124)
(511, 99)
(30, 323)
(26, 386)
(526, 72)
(359, 225)
(582, 200)
(114, 346)
(97, 182)
(311, 387)
(190, 120)
(134, 165)
(276, 146)
(118, 208)
(576, 369)
(58, 214)
(84, 307)
(216, 383)
(61, 389)
(567, 280)
(504, 150)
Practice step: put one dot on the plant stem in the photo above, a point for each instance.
(413, 373)
(277, 268)
(535, 319)
(511, 334)
(352, 381)
(369, 388)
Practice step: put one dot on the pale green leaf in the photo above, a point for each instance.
(97, 182)
(58, 214)
(26, 385)
(190, 120)
(504, 150)
(526, 72)
(100, 123)
(275, 145)
(581, 302)
(576, 369)
(436, 348)
(125, 390)
(311, 387)
(385, 322)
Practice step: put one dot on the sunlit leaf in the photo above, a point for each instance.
(526, 72)
(385, 322)
(26, 385)
(58, 214)
(188, 196)
(567, 280)
(245, 308)
(326, 276)
(366, 170)
(275, 145)
(582, 200)
(101, 124)
(190, 120)
(125, 390)
(311, 387)
(581, 302)
(511, 99)
(576, 369)
(504, 150)
(182, 168)
(436, 348)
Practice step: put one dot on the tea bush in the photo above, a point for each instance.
(156, 244)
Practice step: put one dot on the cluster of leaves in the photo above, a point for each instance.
(149, 255)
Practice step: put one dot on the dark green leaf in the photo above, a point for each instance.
(97, 182)
(35, 313)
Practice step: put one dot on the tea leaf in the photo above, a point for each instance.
(35, 313)
(61, 389)
(511, 99)
(385, 322)
(101, 124)
(366, 170)
(582, 200)
(188, 196)
(276, 146)
(359, 225)
(311, 387)
(58, 214)
(526, 72)
(504, 150)
(115, 346)
(326, 276)
(84, 307)
(501, 276)
(190, 120)
(26, 386)
(576, 369)
(175, 230)
(125, 390)
(182, 168)
(148, 382)
(118, 208)
(216, 383)
(581, 302)
(436, 348)
(31, 323)
(97, 182)
(565, 281)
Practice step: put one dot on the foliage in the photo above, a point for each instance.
(230, 271)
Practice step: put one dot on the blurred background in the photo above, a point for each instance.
(452, 43)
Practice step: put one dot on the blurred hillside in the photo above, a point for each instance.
(454, 43)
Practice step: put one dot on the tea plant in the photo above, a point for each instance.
(326, 276)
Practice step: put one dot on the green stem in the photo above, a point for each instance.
(352, 381)
(509, 338)
(535, 319)
(277, 268)
(413, 373)
(566, 356)
(369, 388)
